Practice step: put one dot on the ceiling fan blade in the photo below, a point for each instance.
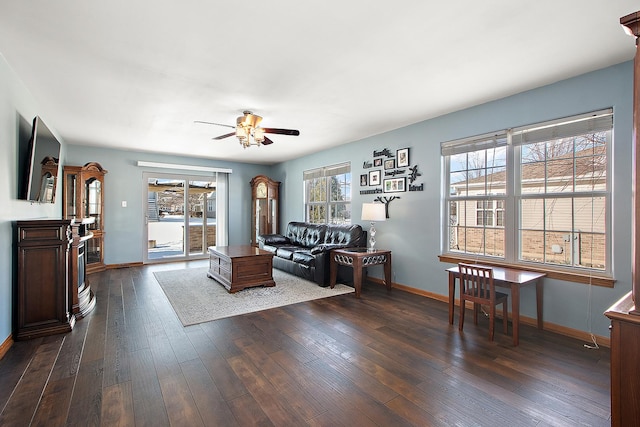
(227, 135)
(212, 123)
(291, 132)
(267, 141)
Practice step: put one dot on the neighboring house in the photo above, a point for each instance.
(478, 225)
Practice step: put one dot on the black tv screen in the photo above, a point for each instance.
(44, 155)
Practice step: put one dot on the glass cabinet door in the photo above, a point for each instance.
(70, 195)
(273, 211)
(93, 202)
(262, 218)
(93, 250)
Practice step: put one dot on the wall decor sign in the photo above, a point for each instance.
(374, 177)
(385, 152)
(403, 157)
(395, 185)
(393, 173)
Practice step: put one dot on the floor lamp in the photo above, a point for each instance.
(373, 212)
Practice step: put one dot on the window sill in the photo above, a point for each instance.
(552, 273)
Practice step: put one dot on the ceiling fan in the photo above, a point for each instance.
(248, 132)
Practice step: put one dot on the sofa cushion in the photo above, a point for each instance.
(304, 257)
(272, 239)
(326, 247)
(305, 234)
(269, 248)
(347, 235)
(286, 252)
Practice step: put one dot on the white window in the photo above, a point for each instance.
(534, 194)
(328, 194)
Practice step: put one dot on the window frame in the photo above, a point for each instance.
(325, 204)
(511, 200)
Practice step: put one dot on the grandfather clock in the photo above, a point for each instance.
(264, 207)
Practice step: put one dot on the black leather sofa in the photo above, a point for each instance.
(303, 250)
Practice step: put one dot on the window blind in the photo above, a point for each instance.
(475, 143)
(597, 121)
(333, 170)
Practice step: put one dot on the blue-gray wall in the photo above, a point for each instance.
(17, 110)
(413, 231)
(124, 227)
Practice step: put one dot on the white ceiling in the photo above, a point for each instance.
(136, 74)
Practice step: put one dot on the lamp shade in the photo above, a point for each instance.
(373, 212)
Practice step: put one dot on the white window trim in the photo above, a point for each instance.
(327, 172)
(596, 121)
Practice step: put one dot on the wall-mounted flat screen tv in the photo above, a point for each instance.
(42, 170)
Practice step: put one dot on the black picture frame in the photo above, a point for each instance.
(389, 164)
(403, 157)
(395, 185)
(374, 177)
(364, 180)
(377, 162)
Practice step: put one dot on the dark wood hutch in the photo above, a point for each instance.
(625, 314)
(83, 200)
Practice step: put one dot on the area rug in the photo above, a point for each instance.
(197, 298)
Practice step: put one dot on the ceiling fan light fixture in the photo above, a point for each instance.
(258, 135)
(249, 133)
(241, 133)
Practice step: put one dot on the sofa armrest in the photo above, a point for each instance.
(272, 239)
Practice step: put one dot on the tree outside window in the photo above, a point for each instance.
(328, 195)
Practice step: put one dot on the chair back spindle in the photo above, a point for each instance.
(477, 282)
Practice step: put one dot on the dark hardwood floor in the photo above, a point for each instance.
(384, 360)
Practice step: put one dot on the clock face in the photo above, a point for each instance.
(261, 191)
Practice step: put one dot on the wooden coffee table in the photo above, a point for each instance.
(239, 267)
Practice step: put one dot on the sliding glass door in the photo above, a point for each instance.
(181, 216)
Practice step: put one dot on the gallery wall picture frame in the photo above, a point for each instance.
(374, 177)
(390, 164)
(377, 163)
(403, 157)
(363, 180)
(395, 185)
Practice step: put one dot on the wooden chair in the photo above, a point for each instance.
(476, 285)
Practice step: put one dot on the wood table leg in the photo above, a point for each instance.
(357, 276)
(387, 272)
(452, 295)
(539, 303)
(515, 311)
(333, 271)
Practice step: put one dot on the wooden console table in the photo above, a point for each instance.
(357, 258)
(508, 278)
(239, 267)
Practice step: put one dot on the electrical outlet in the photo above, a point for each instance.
(124, 203)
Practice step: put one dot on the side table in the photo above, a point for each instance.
(358, 258)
